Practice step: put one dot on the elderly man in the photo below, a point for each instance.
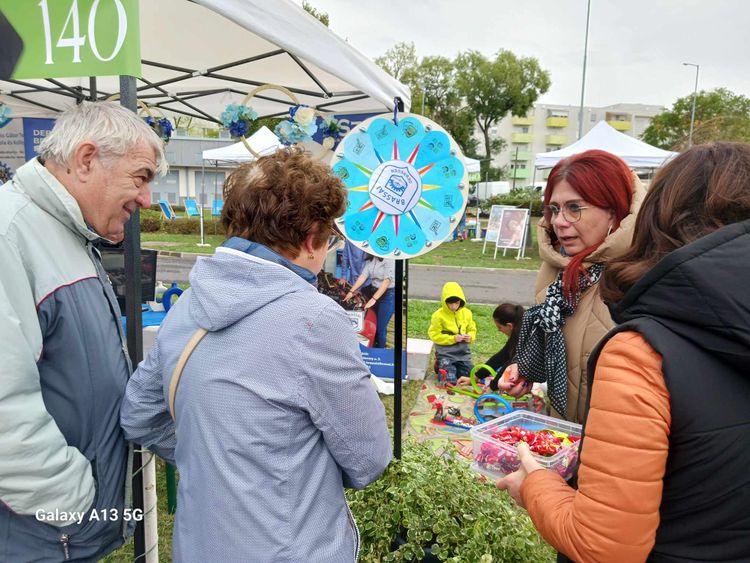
(64, 462)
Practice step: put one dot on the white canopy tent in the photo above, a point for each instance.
(635, 153)
(263, 141)
(472, 165)
(199, 56)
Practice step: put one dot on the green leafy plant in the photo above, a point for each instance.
(438, 503)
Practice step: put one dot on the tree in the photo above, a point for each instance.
(436, 81)
(494, 88)
(434, 91)
(719, 115)
(319, 15)
(399, 60)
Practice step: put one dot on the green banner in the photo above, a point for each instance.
(475, 176)
(69, 38)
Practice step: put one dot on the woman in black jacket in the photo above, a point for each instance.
(507, 317)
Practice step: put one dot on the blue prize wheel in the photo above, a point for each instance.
(407, 185)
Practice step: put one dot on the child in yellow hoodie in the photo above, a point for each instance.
(452, 330)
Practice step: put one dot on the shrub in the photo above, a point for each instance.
(439, 503)
(150, 224)
(183, 226)
(516, 201)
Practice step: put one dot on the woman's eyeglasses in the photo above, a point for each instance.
(571, 212)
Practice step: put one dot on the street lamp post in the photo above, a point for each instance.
(583, 78)
(695, 94)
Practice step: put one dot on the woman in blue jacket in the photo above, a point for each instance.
(274, 412)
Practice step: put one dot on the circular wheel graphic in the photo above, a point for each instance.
(407, 185)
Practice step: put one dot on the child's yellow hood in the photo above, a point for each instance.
(452, 289)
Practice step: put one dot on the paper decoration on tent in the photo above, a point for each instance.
(299, 127)
(407, 185)
(160, 124)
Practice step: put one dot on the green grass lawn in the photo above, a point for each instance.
(181, 243)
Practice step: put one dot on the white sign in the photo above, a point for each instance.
(357, 319)
(12, 152)
(493, 224)
(512, 229)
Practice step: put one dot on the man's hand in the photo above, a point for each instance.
(348, 296)
(511, 383)
(513, 482)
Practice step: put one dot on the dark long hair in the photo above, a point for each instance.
(603, 180)
(509, 313)
(694, 194)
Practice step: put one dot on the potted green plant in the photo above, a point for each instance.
(427, 508)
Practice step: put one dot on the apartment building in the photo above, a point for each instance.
(548, 127)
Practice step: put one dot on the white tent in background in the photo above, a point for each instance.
(263, 141)
(635, 153)
(472, 165)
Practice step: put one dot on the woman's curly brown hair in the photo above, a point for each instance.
(278, 200)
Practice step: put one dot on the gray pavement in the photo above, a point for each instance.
(481, 285)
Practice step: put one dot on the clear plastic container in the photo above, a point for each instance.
(496, 459)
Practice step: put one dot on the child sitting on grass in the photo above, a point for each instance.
(452, 329)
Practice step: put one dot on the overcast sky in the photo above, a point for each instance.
(635, 50)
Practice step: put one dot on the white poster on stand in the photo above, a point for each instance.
(493, 224)
(512, 230)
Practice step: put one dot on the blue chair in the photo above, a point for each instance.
(167, 211)
(216, 206)
(191, 207)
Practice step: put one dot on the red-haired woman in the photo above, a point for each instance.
(663, 468)
(590, 205)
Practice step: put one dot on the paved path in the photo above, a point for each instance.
(481, 285)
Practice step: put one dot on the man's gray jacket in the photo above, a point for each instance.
(63, 371)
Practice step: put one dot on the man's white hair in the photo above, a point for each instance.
(114, 129)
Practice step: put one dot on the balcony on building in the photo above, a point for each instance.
(519, 173)
(521, 138)
(521, 156)
(556, 140)
(557, 122)
(557, 118)
(526, 120)
(620, 121)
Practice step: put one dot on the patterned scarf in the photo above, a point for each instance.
(541, 353)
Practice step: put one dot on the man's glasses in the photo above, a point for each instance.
(571, 212)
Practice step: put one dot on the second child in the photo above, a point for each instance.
(452, 329)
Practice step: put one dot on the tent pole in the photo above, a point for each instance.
(398, 360)
(132, 245)
(203, 197)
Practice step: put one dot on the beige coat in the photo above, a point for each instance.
(591, 320)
